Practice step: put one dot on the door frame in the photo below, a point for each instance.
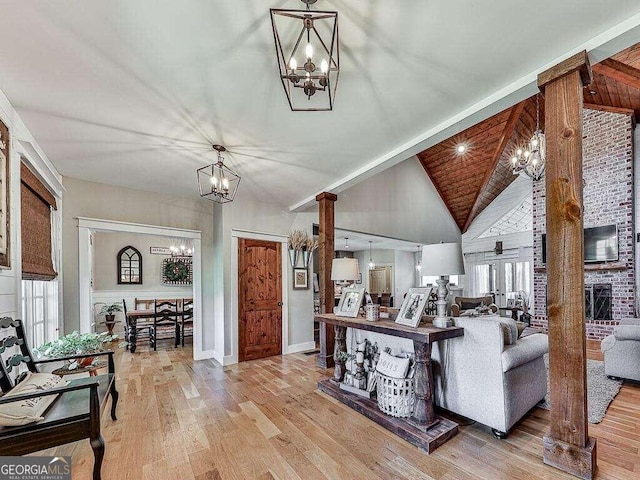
(270, 237)
(88, 225)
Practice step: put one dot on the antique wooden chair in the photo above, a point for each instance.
(164, 321)
(73, 416)
(186, 319)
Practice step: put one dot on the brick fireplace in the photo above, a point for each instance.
(608, 199)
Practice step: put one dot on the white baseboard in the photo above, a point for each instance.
(223, 359)
(204, 355)
(301, 347)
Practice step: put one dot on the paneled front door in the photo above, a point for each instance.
(259, 299)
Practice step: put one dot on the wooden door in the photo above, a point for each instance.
(259, 299)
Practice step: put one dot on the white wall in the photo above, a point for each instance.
(23, 147)
(105, 274)
(404, 275)
(96, 200)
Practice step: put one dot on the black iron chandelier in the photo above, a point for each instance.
(217, 182)
(308, 56)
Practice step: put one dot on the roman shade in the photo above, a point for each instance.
(36, 203)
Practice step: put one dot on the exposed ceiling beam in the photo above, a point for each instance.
(620, 72)
(509, 128)
(607, 108)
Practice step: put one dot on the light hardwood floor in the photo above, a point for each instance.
(185, 420)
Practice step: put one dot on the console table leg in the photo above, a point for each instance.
(423, 413)
(340, 346)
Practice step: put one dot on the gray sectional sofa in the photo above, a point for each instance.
(622, 350)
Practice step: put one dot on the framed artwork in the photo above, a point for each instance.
(177, 271)
(5, 254)
(413, 306)
(300, 278)
(129, 266)
(350, 302)
(511, 302)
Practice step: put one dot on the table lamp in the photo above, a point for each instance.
(442, 260)
(345, 269)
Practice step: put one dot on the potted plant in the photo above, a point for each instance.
(75, 344)
(109, 311)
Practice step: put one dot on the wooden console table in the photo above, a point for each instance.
(424, 429)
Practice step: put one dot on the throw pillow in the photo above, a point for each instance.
(391, 366)
(521, 326)
(469, 305)
(509, 332)
(23, 412)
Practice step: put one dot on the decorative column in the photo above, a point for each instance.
(326, 252)
(567, 445)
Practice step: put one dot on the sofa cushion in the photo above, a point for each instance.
(469, 305)
(524, 350)
(29, 411)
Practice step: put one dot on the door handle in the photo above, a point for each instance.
(279, 304)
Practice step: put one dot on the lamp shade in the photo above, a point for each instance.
(442, 259)
(345, 269)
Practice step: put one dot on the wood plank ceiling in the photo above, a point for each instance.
(469, 182)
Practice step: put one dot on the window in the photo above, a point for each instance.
(40, 311)
(129, 266)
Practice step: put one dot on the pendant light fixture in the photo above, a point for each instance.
(308, 56)
(530, 159)
(371, 264)
(346, 243)
(419, 261)
(217, 182)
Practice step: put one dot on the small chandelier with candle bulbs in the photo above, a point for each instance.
(530, 159)
(308, 56)
(217, 182)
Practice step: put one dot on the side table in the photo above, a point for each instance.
(92, 369)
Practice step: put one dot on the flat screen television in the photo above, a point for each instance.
(600, 244)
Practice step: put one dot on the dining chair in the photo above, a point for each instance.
(186, 319)
(165, 320)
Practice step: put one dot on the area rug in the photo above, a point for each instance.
(600, 390)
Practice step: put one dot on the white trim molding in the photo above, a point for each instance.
(301, 347)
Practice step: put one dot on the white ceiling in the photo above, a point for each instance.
(133, 92)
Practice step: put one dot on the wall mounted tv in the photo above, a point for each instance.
(600, 244)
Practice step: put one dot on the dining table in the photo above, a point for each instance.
(132, 321)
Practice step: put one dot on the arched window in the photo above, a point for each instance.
(129, 266)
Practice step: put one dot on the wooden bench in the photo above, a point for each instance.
(73, 416)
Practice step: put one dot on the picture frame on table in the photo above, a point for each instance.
(359, 280)
(413, 306)
(350, 302)
(511, 302)
(300, 278)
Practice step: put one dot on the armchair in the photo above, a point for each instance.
(622, 350)
(460, 304)
(73, 416)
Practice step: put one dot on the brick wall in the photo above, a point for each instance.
(608, 199)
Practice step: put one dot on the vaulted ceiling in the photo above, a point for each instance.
(134, 92)
(470, 181)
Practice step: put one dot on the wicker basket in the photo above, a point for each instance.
(396, 396)
(373, 312)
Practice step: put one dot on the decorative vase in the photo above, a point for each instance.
(85, 362)
(293, 257)
(306, 257)
(109, 318)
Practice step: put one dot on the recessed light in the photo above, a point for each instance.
(461, 148)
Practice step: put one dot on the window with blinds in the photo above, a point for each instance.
(36, 204)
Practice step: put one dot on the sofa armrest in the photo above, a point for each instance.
(524, 350)
(627, 332)
(455, 310)
(630, 321)
(493, 307)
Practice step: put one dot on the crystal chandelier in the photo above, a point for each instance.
(531, 158)
(217, 182)
(309, 64)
